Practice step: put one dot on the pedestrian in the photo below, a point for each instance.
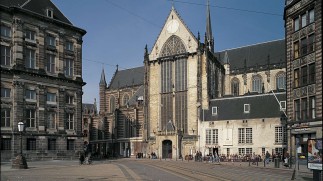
(267, 157)
(253, 157)
(82, 158)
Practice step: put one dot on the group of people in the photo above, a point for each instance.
(153, 155)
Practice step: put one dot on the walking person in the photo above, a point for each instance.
(267, 157)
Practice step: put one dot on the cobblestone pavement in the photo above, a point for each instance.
(133, 169)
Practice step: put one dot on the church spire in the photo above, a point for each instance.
(102, 81)
(209, 36)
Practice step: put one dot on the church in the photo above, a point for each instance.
(187, 98)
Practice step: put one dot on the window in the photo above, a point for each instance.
(50, 63)
(51, 144)
(30, 94)
(49, 13)
(68, 64)
(246, 108)
(51, 98)
(241, 135)
(30, 59)
(125, 100)
(297, 110)
(303, 46)
(279, 151)
(304, 75)
(214, 110)
(311, 16)
(112, 104)
(296, 78)
(31, 143)
(5, 31)
(212, 136)
(30, 36)
(50, 41)
(5, 55)
(5, 143)
(296, 50)
(235, 87)
(281, 81)
(311, 43)
(311, 75)
(304, 114)
(228, 152)
(244, 135)
(70, 144)
(282, 105)
(256, 84)
(69, 99)
(5, 117)
(30, 118)
(312, 107)
(296, 24)
(249, 151)
(279, 135)
(241, 151)
(248, 135)
(69, 46)
(303, 20)
(70, 121)
(51, 120)
(5, 92)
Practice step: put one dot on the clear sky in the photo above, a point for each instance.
(118, 30)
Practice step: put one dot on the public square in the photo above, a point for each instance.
(147, 169)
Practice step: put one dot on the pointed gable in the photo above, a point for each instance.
(174, 26)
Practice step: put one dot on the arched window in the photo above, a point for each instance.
(125, 99)
(112, 104)
(281, 81)
(173, 46)
(235, 87)
(256, 84)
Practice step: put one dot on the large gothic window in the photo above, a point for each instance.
(235, 87)
(112, 104)
(125, 99)
(174, 85)
(281, 81)
(173, 46)
(256, 84)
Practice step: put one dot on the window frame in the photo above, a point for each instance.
(70, 121)
(5, 117)
(69, 46)
(69, 67)
(5, 55)
(30, 36)
(5, 31)
(30, 118)
(51, 120)
(50, 41)
(31, 144)
(51, 63)
(30, 95)
(30, 61)
(246, 108)
(282, 105)
(256, 84)
(6, 143)
(51, 98)
(5, 92)
(281, 81)
(215, 110)
(51, 144)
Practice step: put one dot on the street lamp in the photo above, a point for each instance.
(20, 161)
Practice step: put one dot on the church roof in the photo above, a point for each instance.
(37, 6)
(137, 96)
(128, 77)
(255, 55)
(233, 108)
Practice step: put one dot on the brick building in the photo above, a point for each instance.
(41, 80)
(303, 27)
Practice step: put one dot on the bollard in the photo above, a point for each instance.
(264, 162)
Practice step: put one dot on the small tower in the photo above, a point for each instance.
(103, 86)
(209, 37)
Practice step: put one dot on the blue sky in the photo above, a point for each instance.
(118, 30)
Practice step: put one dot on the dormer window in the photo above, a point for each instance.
(49, 13)
(246, 108)
(215, 111)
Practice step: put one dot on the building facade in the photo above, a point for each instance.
(41, 81)
(303, 27)
(122, 114)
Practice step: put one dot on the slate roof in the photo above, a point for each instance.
(88, 108)
(133, 100)
(128, 77)
(261, 106)
(255, 55)
(38, 7)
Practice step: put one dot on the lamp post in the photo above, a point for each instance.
(20, 161)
